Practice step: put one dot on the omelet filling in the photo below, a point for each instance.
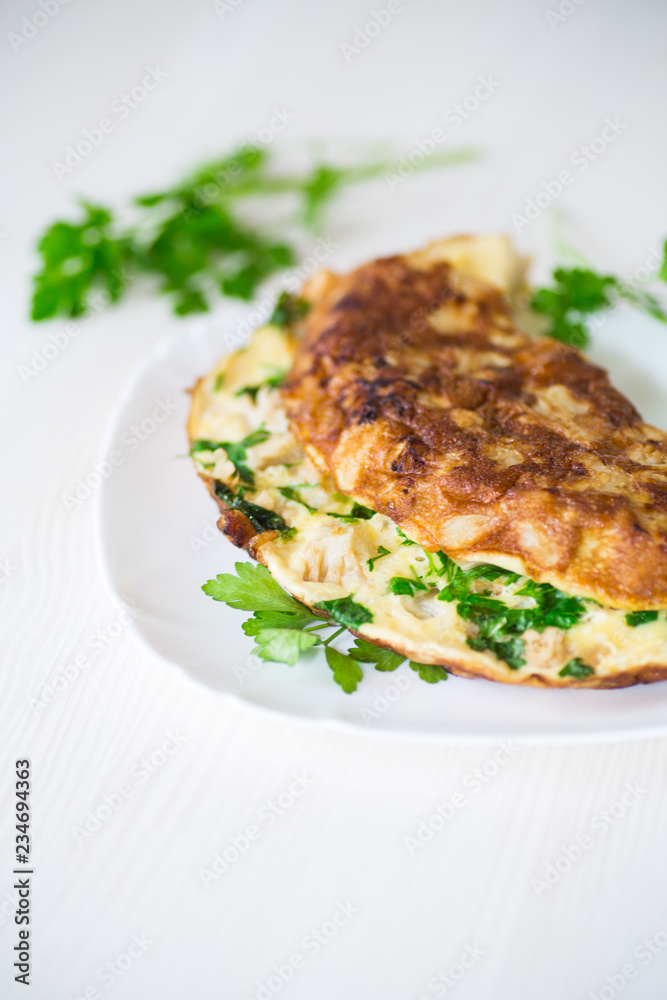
(326, 547)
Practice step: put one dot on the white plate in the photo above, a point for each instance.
(156, 530)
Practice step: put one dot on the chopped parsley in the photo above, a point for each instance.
(358, 513)
(290, 493)
(499, 627)
(405, 585)
(576, 668)
(406, 540)
(635, 618)
(260, 518)
(288, 309)
(236, 452)
(380, 553)
(273, 382)
(346, 611)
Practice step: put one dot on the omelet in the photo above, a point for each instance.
(360, 451)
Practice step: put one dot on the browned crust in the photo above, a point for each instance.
(414, 422)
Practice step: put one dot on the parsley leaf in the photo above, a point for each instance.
(346, 611)
(371, 562)
(406, 540)
(384, 659)
(252, 589)
(429, 672)
(346, 671)
(576, 668)
(288, 309)
(578, 293)
(290, 493)
(358, 513)
(260, 518)
(77, 260)
(662, 273)
(297, 618)
(273, 382)
(236, 452)
(635, 618)
(284, 645)
(405, 585)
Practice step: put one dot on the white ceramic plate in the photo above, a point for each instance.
(159, 544)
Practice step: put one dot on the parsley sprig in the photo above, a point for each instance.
(192, 238)
(283, 628)
(578, 293)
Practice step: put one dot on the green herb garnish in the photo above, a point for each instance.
(380, 553)
(274, 382)
(405, 585)
(384, 659)
(290, 493)
(346, 611)
(406, 540)
(191, 238)
(576, 668)
(429, 672)
(635, 618)
(288, 309)
(499, 627)
(236, 452)
(578, 293)
(283, 628)
(358, 513)
(260, 518)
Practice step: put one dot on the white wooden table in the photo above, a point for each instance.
(550, 882)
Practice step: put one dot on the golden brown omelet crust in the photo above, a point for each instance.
(414, 389)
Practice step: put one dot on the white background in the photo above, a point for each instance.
(343, 839)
